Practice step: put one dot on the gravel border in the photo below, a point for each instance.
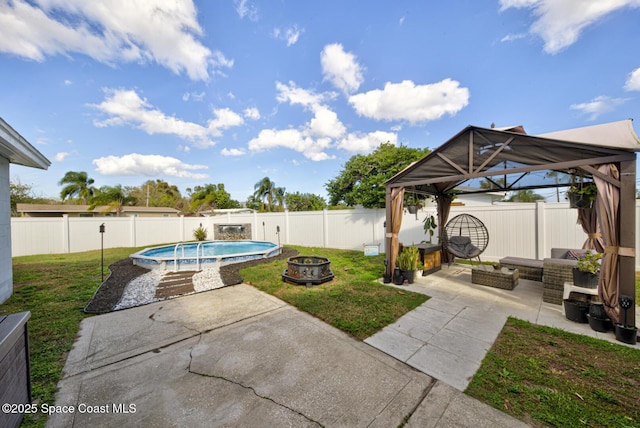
(129, 285)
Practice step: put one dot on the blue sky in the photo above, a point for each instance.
(231, 91)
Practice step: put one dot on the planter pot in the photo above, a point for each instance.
(409, 275)
(578, 200)
(626, 334)
(596, 310)
(398, 279)
(599, 324)
(576, 310)
(386, 278)
(585, 279)
(412, 209)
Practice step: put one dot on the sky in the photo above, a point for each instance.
(232, 91)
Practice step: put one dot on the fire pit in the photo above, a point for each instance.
(308, 270)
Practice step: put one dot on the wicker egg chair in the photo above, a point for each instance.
(466, 237)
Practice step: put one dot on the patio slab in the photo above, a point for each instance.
(459, 324)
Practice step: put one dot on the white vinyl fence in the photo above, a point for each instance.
(524, 230)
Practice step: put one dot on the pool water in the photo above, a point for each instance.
(193, 255)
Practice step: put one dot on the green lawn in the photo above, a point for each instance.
(55, 289)
(353, 301)
(543, 376)
(548, 377)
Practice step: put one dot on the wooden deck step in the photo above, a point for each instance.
(175, 284)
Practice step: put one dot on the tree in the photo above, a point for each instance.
(114, 198)
(264, 189)
(157, 193)
(362, 179)
(304, 202)
(20, 193)
(279, 196)
(211, 196)
(78, 184)
(526, 195)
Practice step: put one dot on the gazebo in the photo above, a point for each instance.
(508, 159)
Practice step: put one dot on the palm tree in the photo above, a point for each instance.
(113, 198)
(264, 190)
(278, 195)
(77, 184)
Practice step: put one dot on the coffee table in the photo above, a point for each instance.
(504, 278)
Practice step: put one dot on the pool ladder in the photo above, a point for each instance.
(175, 255)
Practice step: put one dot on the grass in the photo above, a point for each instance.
(541, 375)
(548, 377)
(352, 301)
(55, 289)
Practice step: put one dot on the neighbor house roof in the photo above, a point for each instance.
(63, 208)
(14, 147)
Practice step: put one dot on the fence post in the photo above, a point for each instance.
(541, 245)
(66, 238)
(133, 230)
(181, 227)
(325, 228)
(286, 226)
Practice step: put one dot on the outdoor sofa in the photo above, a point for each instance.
(553, 272)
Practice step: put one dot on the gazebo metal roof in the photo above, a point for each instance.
(490, 159)
(478, 160)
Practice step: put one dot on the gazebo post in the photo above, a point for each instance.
(387, 236)
(627, 230)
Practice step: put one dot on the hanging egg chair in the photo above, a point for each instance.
(466, 237)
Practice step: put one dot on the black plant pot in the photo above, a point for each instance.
(626, 334)
(386, 278)
(585, 279)
(409, 275)
(599, 324)
(596, 310)
(576, 310)
(398, 279)
(578, 200)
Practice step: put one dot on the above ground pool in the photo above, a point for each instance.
(202, 254)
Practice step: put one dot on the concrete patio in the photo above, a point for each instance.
(448, 336)
(238, 357)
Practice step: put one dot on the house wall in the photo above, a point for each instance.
(6, 276)
(515, 229)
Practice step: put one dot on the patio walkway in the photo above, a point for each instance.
(448, 336)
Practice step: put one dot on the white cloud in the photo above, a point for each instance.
(633, 81)
(59, 157)
(314, 137)
(125, 107)
(367, 143)
(224, 119)
(325, 123)
(148, 165)
(291, 139)
(307, 98)
(290, 35)
(598, 106)
(195, 96)
(232, 152)
(68, 82)
(245, 8)
(110, 31)
(560, 22)
(411, 102)
(341, 68)
(252, 113)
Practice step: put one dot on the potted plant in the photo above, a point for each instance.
(625, 332)
(587, 273)
(408, 262)
(582, 195)
(597, 317)
(200, 234)
(429, 226)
